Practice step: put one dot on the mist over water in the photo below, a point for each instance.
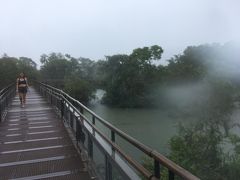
(222, 64)
(186, 96)
(182, 102)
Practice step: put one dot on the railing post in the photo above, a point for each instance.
(170, 175)
(62, 108)
(80, 136)
(156, 169)
(113, 140)
(78, 133)
(81, 110)
(0, 110)
(51, 98)
(108, 166)
(93, 122)
(7, 101)
(90, 147)
(71, 119)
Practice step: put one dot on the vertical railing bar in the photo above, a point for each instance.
(71, 118)
(0, 110)
(108, 169)
(77, 131)
(113, 140)
(62, 108)
(93, 122)
(51, 96)
(157, 169)
(170, 175)
(90, 146)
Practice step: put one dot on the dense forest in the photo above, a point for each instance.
(136, 80)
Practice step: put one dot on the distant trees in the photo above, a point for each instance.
(126, 78)
(28, 66)
(198, 62)
(10, 67)
(73, 75)
(54, 69)
(129, 80)
(8, 71)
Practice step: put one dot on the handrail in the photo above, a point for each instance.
(4, 90)
(6, 94)
(158, 158)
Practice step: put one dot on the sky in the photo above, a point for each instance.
(95, 28)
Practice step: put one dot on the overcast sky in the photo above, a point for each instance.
(95, 28)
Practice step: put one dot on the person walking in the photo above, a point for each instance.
(21, 87)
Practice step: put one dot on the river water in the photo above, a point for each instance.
(152, 127)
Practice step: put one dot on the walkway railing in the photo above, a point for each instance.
(6, 95)
(102, 148)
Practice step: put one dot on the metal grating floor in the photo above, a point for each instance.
(34, 144)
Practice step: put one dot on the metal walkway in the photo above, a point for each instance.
(34, 144)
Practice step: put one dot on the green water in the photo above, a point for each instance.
(152, 127)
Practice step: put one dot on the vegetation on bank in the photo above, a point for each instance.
(135, 80)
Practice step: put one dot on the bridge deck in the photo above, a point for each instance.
(34, 144)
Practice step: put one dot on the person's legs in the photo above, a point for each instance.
(24, 98)
(22, 91)
(21, 97)
(24, 95)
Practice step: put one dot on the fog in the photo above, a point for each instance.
(190, 99)
(225, 61)
(97, 28)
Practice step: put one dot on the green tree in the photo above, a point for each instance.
(29, 67)
(78, 88)
(10, 67)
(74, 75)
(232, 159)
(55, 68)
(8, 71)
(197, 148)
(129, 77)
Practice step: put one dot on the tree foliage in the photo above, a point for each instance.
(129, 77)
(78, 88)
(10, 67)
(69, 73)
